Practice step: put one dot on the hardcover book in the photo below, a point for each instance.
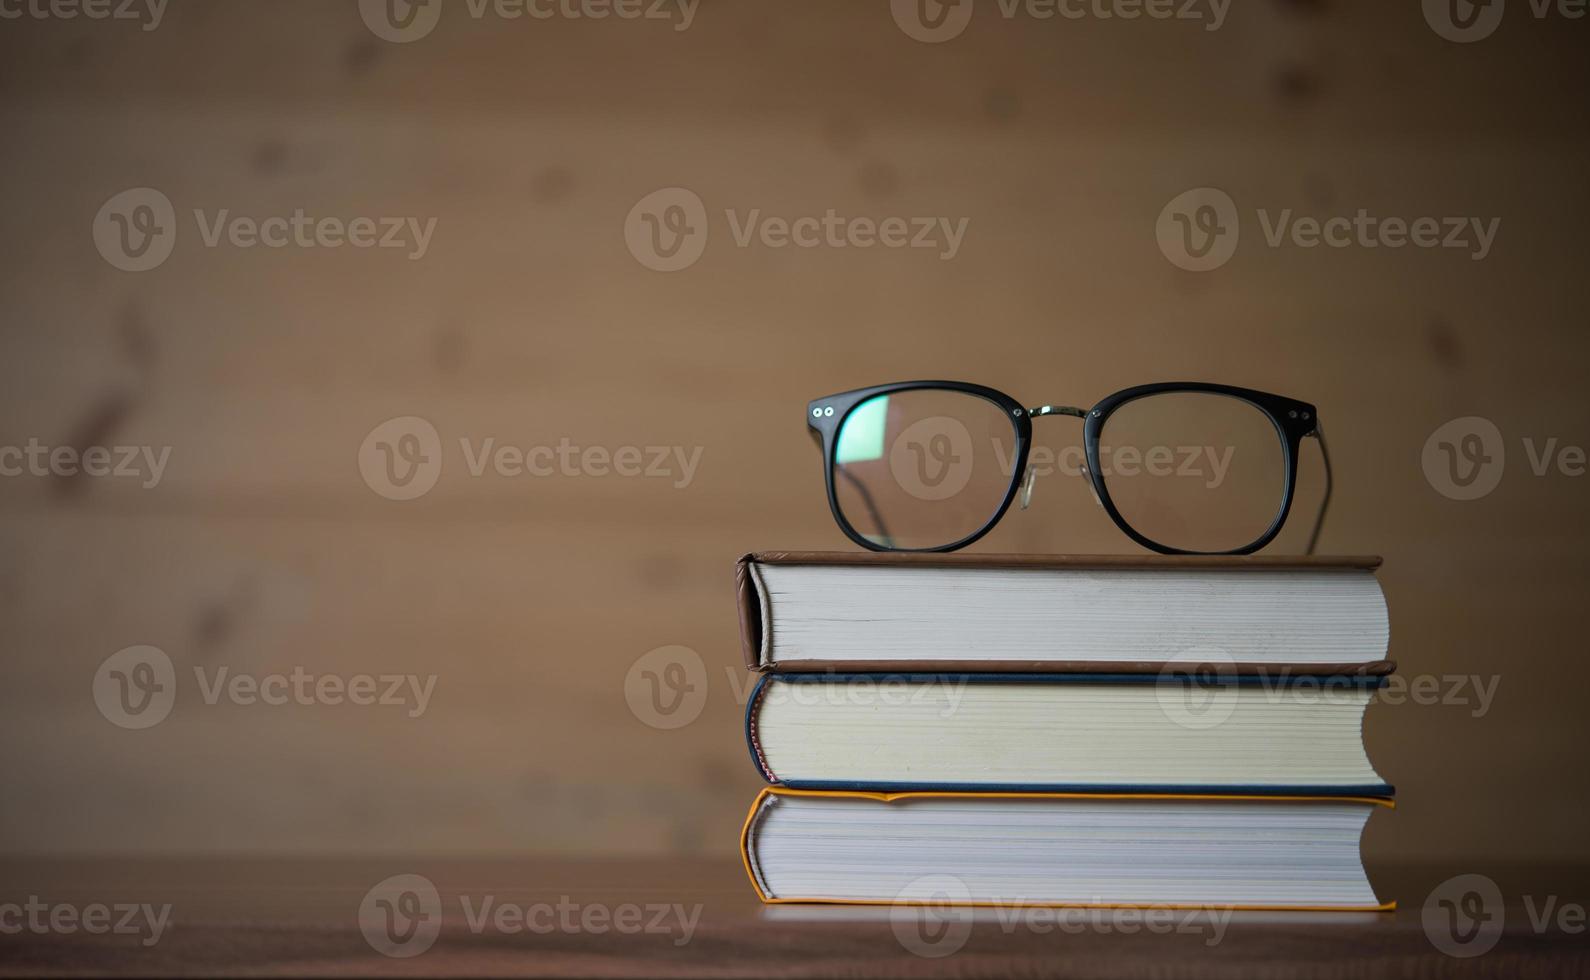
(817, 611)
(1296, 853)
(1064, 732)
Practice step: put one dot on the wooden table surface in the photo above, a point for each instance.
(699, 918)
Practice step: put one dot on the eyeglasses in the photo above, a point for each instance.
(1182, 467)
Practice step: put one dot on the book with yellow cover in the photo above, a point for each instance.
(1060, 849)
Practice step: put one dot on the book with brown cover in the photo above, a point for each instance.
(755, 610)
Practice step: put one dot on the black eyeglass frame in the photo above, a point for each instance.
(1293, 420)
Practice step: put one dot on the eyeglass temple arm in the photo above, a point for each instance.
(1325, 502)
(861, 488)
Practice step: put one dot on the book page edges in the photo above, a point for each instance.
(755, 612)
(1163, 562)
(770, 794)
(1370, 668)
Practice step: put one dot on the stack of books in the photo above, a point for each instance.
(1133, 731)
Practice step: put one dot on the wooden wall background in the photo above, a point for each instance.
(529, 321)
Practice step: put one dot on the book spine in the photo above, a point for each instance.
(753, 707)
(748, 597)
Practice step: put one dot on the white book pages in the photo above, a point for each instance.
(1063, 850)
(892, 613)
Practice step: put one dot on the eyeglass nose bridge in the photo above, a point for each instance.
(1043, 410)
(1025, 497)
